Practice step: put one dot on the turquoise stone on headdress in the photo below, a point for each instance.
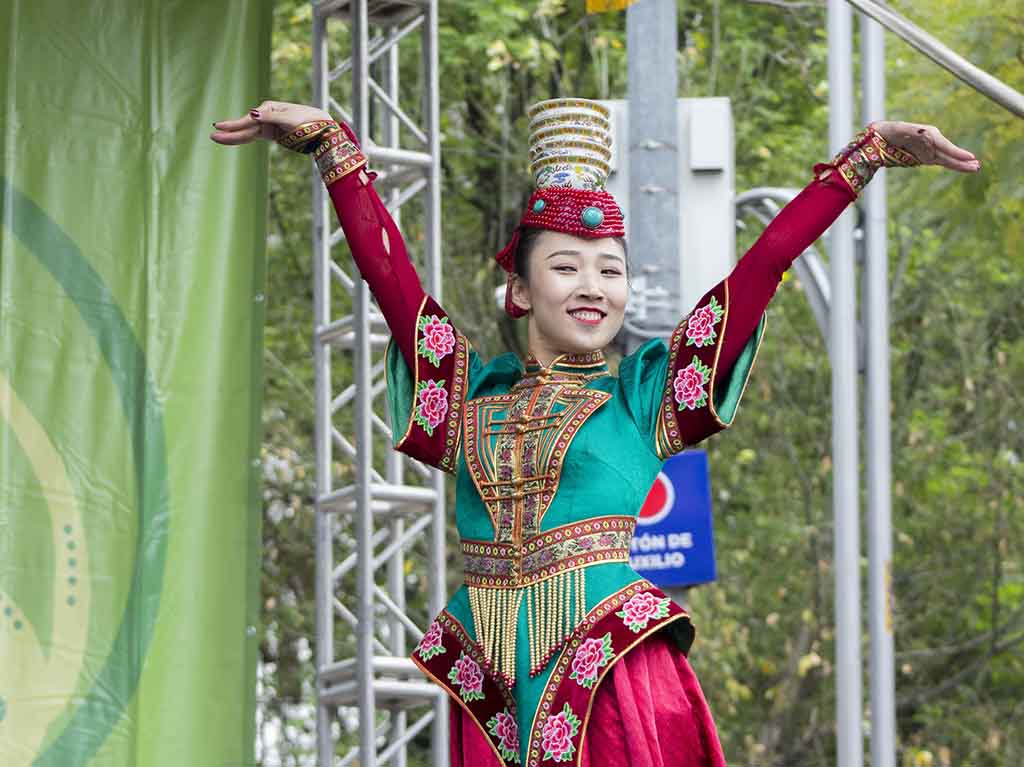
(592, 217)
(538, 206)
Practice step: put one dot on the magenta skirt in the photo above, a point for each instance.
(649, 711)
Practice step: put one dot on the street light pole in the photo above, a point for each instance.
(846, 532)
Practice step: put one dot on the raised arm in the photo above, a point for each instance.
(376, 244)
(712, 350)
(756, 277)
(429, 375)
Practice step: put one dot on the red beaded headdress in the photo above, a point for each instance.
(570, 148)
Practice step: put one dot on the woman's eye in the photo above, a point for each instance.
(614, 272)
(565, 268)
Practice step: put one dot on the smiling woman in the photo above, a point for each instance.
(554, 649)
(573, 290)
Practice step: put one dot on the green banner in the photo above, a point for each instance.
(131, 315)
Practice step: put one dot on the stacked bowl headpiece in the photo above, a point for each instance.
(570, 156)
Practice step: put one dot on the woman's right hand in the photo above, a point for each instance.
(270, 120)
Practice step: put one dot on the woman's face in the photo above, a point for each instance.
(576, 294)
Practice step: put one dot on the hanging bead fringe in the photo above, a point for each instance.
(495, 616)
(554, 607)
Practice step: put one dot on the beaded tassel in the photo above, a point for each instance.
(554, 607)
(495, 617)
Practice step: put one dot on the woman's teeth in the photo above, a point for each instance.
(586, 316)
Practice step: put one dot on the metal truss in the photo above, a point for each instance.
(373, 506)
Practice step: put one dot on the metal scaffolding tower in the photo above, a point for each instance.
(384, 504)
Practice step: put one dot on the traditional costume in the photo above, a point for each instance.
(555, 651)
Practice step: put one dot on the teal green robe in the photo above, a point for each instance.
(552, 466)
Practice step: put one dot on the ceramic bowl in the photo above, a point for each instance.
(574, 175)
(554, 105)
(571, 120)
(595, 172)
(571, 148)
(562, 132)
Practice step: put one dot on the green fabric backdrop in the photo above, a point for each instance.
(131, 280)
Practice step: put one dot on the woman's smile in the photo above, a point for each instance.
(587, 315)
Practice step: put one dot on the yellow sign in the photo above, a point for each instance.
(604, 6)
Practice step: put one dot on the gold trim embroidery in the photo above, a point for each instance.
(515, 457)
(489, 564)
(300, 137)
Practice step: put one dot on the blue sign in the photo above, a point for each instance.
(673, 544)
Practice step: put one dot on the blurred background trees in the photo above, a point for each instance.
(765, 628)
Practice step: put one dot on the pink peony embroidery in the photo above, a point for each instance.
(589, 658)
(466, 674)
(700, 327)
(556, 737)
(436, 338)
(431, 645)
(641, 609)
(431, 405)
(503, 727)
(690, 385)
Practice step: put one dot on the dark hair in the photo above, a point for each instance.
(528, 238)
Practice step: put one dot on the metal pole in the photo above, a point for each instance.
(432, 207)
(914, 36)
(651, 47)
(395, 465)
(322, 361)
(363, 436)
(850, 749)
(876, 326)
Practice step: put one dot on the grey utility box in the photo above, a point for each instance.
(707, 222)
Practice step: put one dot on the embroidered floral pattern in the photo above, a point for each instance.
(431, 405)
(558, 733)
(700, 328)
(503, 727)
(641, 609)
(466, 674)
(431, 645)
(436, 338)
(591, 656)
(690, 385)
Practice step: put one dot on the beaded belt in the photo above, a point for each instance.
(509, 565)
(547, 571)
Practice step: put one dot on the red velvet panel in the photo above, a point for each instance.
(649, 711)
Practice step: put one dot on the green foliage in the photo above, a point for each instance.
(765, 638)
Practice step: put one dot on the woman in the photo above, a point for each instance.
(555, 651)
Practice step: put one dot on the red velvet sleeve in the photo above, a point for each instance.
(380, 255)
(756, 277)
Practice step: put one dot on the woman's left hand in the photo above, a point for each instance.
(270, 120)
(928, 145)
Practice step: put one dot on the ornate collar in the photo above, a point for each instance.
(590, 364)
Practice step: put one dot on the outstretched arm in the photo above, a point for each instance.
(376, 244)
(756, 277)
(379, 252)
(712, 350)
